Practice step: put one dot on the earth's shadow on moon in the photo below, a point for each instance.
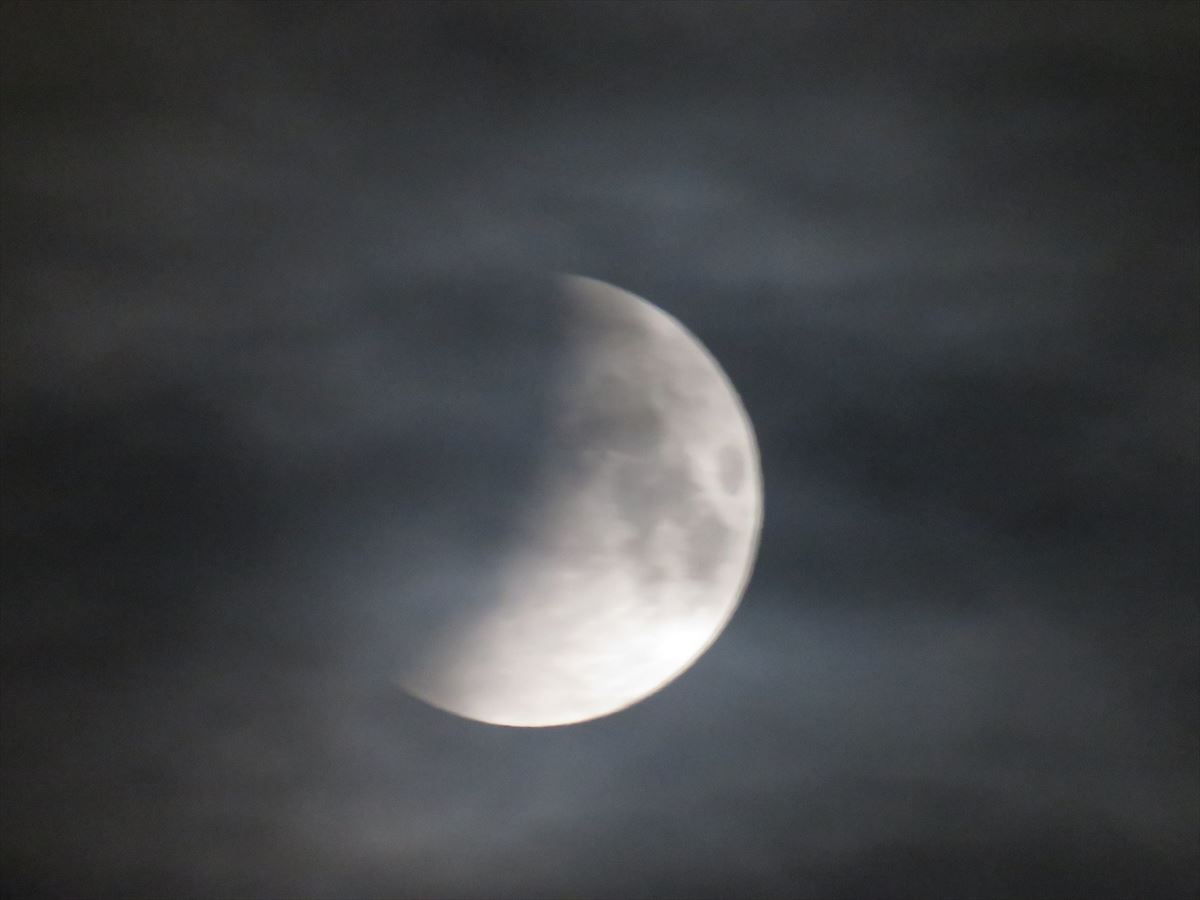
(501, 339)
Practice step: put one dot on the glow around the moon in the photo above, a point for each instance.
(635, 550)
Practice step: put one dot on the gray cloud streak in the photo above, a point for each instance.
(266, 391)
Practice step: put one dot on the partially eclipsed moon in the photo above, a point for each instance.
(636, 549)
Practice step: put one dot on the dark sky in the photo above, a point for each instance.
(275, 349)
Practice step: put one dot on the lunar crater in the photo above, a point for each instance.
(732, 468)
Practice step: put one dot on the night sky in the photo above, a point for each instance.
(276, 343)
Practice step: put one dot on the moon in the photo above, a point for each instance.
(637, 541)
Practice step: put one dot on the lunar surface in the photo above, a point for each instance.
(637, 540)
